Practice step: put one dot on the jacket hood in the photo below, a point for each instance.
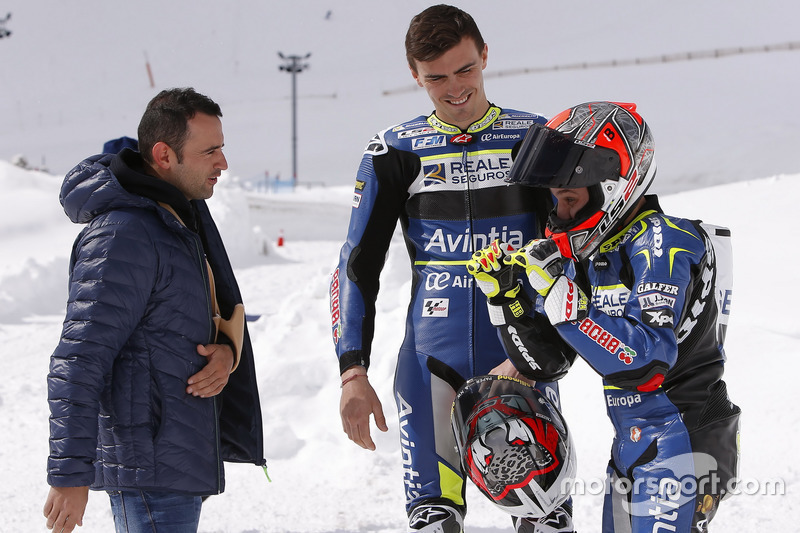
(91, 189)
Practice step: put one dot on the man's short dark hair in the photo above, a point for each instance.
(436, 30)
(166, 119)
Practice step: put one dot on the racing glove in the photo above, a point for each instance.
(497, 280)
(564, 301)
(542, 262)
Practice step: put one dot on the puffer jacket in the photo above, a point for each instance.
(139, 305)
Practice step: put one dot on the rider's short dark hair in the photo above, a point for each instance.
(436, 30)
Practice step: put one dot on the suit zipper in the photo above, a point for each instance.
(465, 162)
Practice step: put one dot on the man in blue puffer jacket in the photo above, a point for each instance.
(143, 399)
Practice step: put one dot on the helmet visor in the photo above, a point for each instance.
(548, 158)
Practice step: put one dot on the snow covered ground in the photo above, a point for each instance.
(321, 482)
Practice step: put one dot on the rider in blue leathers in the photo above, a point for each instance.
(451, 199)
(643, 297)
(443, 177)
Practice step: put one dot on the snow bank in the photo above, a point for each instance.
(323, 483)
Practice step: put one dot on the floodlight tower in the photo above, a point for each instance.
(294, 65)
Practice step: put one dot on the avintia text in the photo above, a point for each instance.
(467, 242)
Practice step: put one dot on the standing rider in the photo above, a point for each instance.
(442, 176)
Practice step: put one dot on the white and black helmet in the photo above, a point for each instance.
(514, 445)
(604, 146)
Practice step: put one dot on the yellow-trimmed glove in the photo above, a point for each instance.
(542, 262)
(565, 302)
(493, 276)
(498, 281)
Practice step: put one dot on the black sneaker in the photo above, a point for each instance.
(435, 519)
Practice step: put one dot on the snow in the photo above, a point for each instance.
(321, 482)
(74, 77)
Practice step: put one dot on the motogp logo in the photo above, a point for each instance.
(436, 307)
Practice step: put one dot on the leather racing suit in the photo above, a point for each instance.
(446, 187)
(660, 298)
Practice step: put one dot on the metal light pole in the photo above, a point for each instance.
(294, 65)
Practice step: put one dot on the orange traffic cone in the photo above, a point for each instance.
(280, 239)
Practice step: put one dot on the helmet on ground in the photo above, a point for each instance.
(514, 445)
(604, 146)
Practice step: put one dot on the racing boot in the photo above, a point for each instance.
(435, 518)
(559, 521)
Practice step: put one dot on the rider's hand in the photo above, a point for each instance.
(358, 402)
(497, 280)
(494, 277)
(542, 262)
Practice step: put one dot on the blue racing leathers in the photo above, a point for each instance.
(659, 296)
(446, 187)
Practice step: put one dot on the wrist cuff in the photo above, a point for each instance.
(510, 311)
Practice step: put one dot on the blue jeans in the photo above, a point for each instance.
(137, 511)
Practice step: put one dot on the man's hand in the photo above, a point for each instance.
(498, 281)
(358, 402)
(507, 368)
(212, 379)
(493, 276)
(64, 508)
(564, 301)
(541, 261)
